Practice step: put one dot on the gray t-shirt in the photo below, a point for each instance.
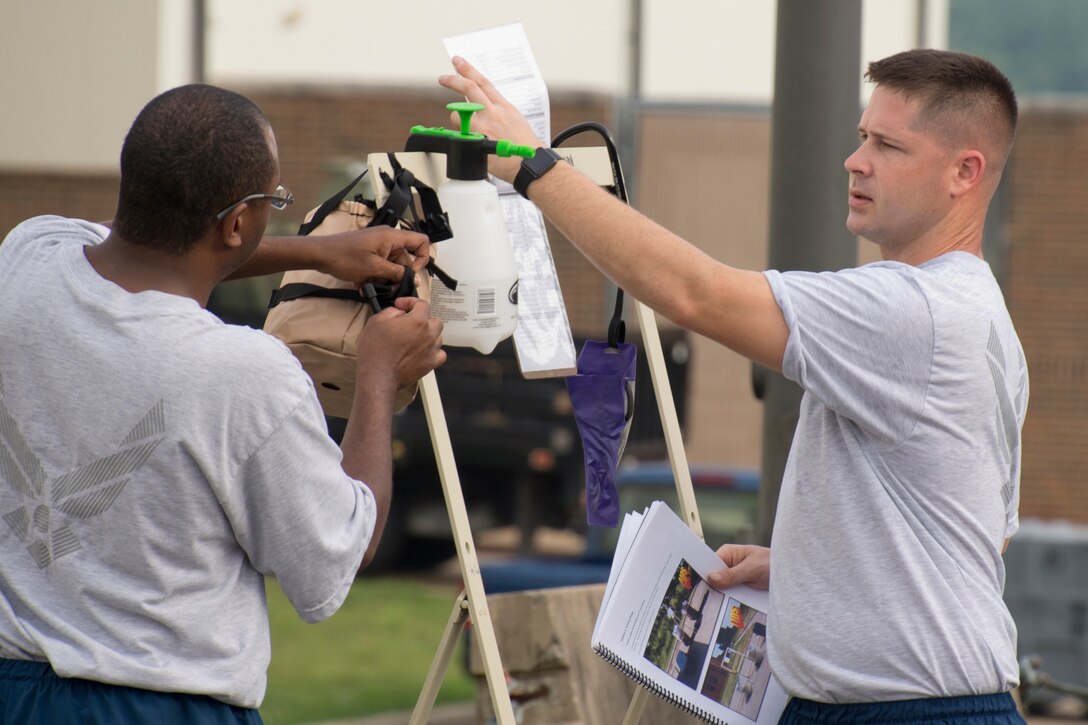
(902, 483)
(155, 463)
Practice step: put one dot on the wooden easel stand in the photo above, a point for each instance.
(471, 604)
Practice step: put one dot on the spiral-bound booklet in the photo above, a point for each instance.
(661, 624)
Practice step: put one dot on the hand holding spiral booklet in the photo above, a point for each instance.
(664, 626)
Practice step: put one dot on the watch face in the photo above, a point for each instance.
(532, 169)
(543, 160)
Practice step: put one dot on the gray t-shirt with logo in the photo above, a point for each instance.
(902, 483)
(155, 464)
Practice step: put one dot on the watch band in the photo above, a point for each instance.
(532, 169)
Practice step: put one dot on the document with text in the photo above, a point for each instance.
(545, 346)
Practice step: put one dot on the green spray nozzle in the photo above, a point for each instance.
(506, 149)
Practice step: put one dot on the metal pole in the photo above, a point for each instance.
(634, 50)
(921, 24)
(813, 130)
(199, 20)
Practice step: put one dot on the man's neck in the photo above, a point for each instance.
(137, 268)
(953, 235)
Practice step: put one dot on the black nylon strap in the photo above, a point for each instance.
(442, 275)
(435, 222)
(617, 328)
(327, 206)
(406, 288)
(398, 202)
(296, 290)
(386, 293)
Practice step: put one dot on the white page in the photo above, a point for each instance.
(544, 343)
(504, 56)
(692, 643)
(628, 530)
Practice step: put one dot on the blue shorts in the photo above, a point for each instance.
(997, 709)
(32, 694)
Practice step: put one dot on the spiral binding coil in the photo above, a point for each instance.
(623, 666)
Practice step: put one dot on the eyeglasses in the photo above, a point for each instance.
(280, 198)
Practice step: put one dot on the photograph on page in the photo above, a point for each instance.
(712, 645)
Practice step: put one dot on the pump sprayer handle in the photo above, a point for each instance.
(466, 152)
(502, 148)
(465, 109)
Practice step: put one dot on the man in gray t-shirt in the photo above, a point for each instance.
(155, 463)
(902, 485)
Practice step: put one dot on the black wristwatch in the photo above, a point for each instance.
(532, 169)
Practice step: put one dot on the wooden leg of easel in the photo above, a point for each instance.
(474, 594)
(637, 705)
(666, 406)
(441, 663)
(678, 458)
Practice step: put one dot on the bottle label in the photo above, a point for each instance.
(472, 308)
(448, 305)
(485, 303)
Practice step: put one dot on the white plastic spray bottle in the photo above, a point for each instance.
(482, 311)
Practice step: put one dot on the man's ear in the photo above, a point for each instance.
(232, 226)
(968, 172)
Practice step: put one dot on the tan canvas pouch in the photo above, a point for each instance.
(323, 333)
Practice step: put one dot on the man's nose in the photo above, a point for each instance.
(855, 163)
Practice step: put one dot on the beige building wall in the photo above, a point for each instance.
(686, 184)
(75, 74)
(706, 176)
(691, 50)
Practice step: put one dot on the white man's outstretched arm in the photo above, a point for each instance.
(732, 306)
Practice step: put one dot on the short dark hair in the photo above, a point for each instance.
(948, 82)
(191, 152)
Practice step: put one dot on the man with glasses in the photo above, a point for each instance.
(157, 464)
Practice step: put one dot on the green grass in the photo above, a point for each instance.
(371, 656)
